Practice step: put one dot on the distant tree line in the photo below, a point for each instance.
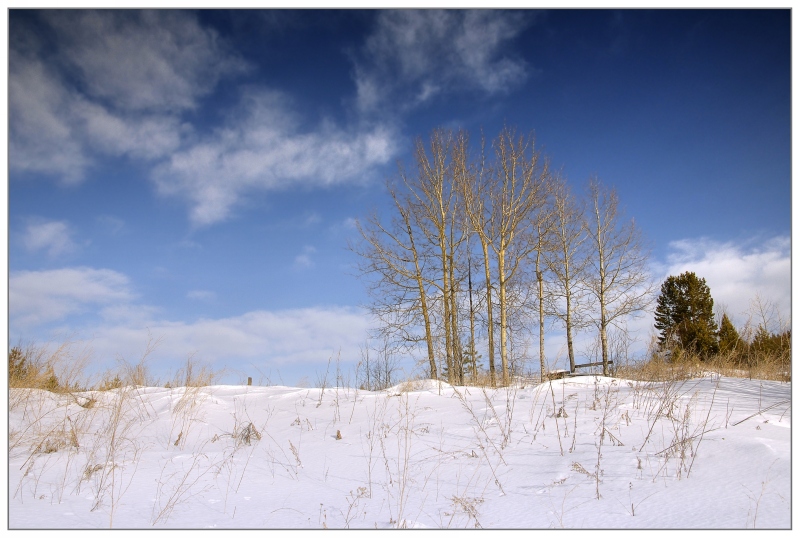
(687, 326)
(485, 246)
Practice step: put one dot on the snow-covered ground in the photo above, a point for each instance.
(586, 452)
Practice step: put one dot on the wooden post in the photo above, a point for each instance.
(249, 381)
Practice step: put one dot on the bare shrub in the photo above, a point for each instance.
(195, 375)
(139, 374)
(246, 434)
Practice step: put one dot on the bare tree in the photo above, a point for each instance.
(377, 372)
(619, 283)
(478, 210)
(765, 313)
(520, 187)
(421, 261)
(567, 263)
(395, 268)
(437, 209)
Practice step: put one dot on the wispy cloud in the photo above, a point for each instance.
(122, 83)
(42, 135)
(115, 85)
(263, 148)
(311, 219)
(201, 295)
(51, 236)
(159, 60)
(413, 56)
(304, 260)
(110, 224)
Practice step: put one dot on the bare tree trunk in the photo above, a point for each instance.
(458, 360)
(539, 278)
(604, 338)
(446, 318)
(501, 282)
(489, 310)
(471, 318)
(601, 235)
(570, 346)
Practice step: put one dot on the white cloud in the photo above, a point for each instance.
(736, 272)
(110, 224)
(311, 219)
(262, 148)
(121, 326)
(415, 55)
(201, 295)
(129, 313)
(116, 83)
(145, 136)
(304, 260)
(56, 131)
(297, 339)
(38, 297)
(280, 337)
(54, 237)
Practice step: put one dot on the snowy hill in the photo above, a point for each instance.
(587, 452)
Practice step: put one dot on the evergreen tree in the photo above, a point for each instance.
(685, 315)
(729, 339)
(18, 367)
(51, 381)
(471, 365)
(774, 345)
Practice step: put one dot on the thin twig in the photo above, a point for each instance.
(761, 411)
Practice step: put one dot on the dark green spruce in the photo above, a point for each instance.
(685, 316)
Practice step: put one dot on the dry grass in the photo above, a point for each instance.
(48, 367)
(194, 374)
(656, 368)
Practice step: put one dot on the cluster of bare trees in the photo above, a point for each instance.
(482, 246)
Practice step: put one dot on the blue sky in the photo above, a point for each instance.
(195, 175)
